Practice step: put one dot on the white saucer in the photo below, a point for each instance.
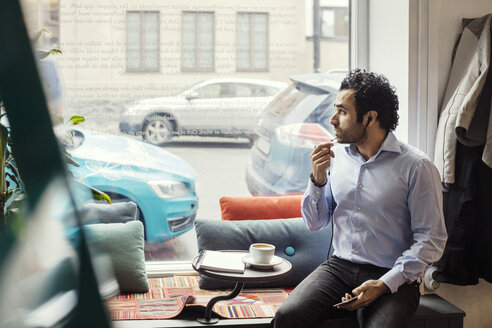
(274, 261)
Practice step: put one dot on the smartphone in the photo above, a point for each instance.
(347, 301)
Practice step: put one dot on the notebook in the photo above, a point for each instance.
(221, 261)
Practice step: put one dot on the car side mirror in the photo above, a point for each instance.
(191, 95)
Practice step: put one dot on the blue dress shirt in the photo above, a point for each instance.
(388, 209)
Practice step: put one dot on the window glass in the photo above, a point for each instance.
(212, 91)
(334, 22)
(189, 43)
(133, 43)
(142, 41)
(252, 41)
(181, 97)
(151, 40)
(198, 41)
(243, 41)
(246, 90)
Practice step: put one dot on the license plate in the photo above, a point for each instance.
(263, 145)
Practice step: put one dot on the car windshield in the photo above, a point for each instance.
(285, 101)
(291, 98)
(188, 88)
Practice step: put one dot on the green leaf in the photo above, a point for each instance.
(102, 196)
(76, 119)
(44, 54)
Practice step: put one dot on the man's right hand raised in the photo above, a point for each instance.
(320, 161)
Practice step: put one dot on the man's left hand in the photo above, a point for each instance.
(368, 291)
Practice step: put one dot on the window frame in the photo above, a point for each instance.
(141, 68)
(197, 52)
(251, 38)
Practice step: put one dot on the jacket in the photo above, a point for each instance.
(466, 107)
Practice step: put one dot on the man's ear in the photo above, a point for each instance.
(371, 116)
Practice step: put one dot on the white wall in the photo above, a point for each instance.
(450, 15)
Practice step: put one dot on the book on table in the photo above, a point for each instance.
(221, 261)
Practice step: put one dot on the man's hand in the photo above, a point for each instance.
(320, 160)
(369, 291)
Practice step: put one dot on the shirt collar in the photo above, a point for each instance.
(389, 144)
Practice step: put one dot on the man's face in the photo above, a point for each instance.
(347, 130)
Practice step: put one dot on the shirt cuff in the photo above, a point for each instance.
(314, 191)
(393, 279)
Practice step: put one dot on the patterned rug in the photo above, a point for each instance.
(168, 296)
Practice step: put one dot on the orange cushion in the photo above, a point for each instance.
(260, 207)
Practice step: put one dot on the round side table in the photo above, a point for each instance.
(251, 274)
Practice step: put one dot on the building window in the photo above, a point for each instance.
(335, 22)
(198, 41)
(142, 49)
(252, 42)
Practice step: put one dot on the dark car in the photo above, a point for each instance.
(288, 129)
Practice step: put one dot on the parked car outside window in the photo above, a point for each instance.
(162, 184)
(221, 107)
(288, 129)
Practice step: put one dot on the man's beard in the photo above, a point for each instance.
(352, 135)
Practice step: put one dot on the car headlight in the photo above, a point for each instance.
(168, 188)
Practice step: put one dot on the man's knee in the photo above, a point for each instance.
(288, 315)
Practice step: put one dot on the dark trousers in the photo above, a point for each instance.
(311, 302)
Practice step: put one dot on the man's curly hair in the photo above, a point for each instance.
(373, 92)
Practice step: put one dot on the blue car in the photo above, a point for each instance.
(288, 129)
(162, 184)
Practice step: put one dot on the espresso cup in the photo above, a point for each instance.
(262, 253)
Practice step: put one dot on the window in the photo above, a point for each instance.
(335, 23)
(212, 91)
(176, 141)
(142, 48)
(252, 42)
(198, 41)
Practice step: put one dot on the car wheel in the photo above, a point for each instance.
(158, 130)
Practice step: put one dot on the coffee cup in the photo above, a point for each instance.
(262, 253)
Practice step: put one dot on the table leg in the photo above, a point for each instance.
(208, 311)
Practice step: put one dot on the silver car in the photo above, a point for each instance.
(221, 107)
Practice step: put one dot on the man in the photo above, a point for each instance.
(385, 201)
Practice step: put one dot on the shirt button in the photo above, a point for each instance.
(358, 229)
(355, 252)
(317, 192)
(358, 208)
(365, 165)
(360, 186)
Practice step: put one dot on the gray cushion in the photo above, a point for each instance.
(111, 213)
(310, 248)
(124, 243)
